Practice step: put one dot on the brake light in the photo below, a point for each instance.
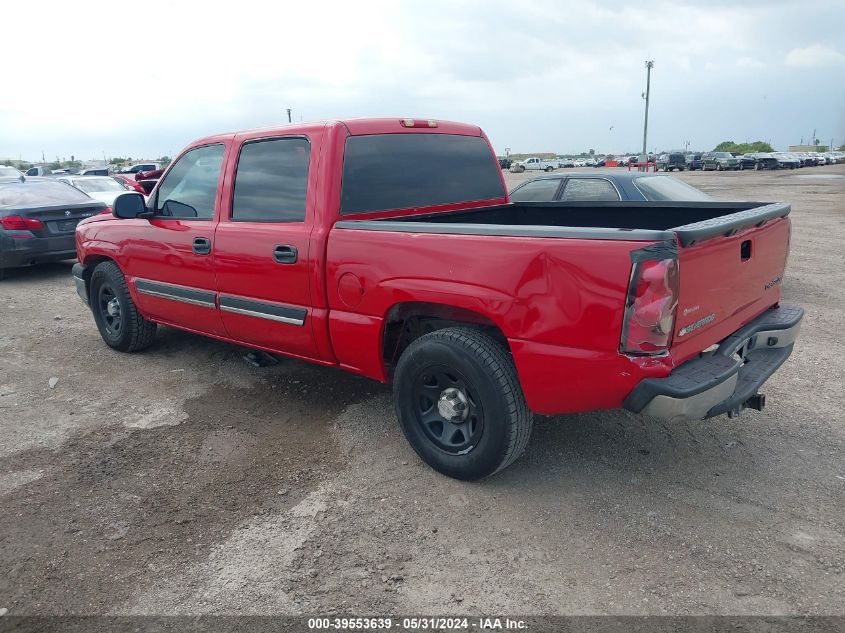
(416, 123)
(19, 223)
(650, 307)
(106, 211)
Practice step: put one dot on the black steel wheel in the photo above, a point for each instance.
(459, 403)
(121, 325)
(109, 306)
(448, 409)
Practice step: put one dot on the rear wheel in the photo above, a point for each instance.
(121, 325)
(549, 168)
(460, 404)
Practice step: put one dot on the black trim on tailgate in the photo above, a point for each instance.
(690, 234)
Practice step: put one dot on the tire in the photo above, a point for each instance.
(484, 385)
(718, 166)
(121, 325)
(548, 169)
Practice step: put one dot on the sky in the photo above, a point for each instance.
(145, 79)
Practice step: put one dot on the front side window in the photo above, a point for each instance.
(537, 191)
(589, 189)
(271, 181)
(190, 188)
(407, 171)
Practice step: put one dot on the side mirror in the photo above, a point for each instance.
(130, 205)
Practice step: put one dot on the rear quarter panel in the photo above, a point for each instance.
(558, 301)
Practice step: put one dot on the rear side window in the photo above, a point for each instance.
(190, 188)
(271, 181)
(408, 171)
(537, 191)
(590, 189)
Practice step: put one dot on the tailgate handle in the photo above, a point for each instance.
(202, 246)
(745, 250)
(284, 254)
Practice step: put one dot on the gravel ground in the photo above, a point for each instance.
(183, 480)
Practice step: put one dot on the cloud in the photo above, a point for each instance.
(537, 76)
(814, 56)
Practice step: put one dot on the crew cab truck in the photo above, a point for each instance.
(533, 164)
(389, 248)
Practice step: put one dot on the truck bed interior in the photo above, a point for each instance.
(656, 216)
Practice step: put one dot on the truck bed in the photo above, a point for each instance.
(691, 222)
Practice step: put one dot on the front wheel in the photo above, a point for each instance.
(121, 325)
(459, 403)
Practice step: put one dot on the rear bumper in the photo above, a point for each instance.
(728, 380)
(16, 252)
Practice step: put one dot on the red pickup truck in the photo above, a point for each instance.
(389, 248)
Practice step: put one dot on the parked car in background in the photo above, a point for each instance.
(605, 187)
(719, 161)
(95, 171)
(693, 161)
(746, 161)
(149, 179)
(762, 160)
(671, 162)
(10, 174)
(129, 182)
(38, 171)
(505, 163)
(590, 162)
(103, 188)
(786, 160)
(134, 169)
(806, 159)
(533, 164)
(565, 163)
(38, 218)
(601, 162)
(580, 162)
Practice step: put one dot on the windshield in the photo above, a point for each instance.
(97, 184)
(9, 172)
(656, 188)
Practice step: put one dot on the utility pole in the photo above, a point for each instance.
(648, 66)
(289, 115)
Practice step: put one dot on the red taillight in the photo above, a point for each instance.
(650, 307)
(19, 223)
(106, 211)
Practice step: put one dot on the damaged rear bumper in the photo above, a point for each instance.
(726, 381)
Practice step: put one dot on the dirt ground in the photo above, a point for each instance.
(184, 480)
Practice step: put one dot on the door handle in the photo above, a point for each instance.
(202, 246)
(284, 254)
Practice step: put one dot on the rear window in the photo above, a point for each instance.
(408, 171)
(657, 188)
(39, 193)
